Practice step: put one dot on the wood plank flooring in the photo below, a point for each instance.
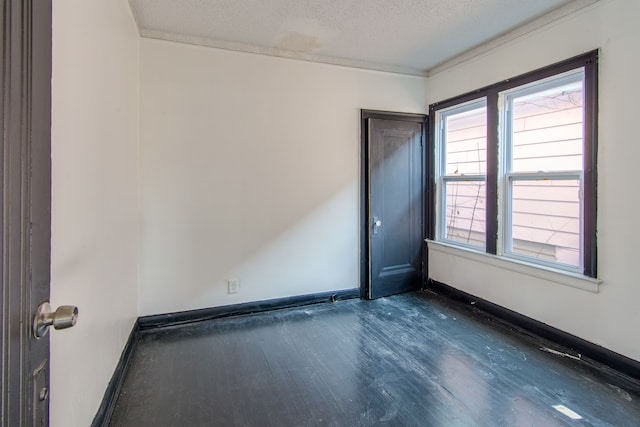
(409, 360)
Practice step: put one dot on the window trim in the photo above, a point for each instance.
(562, 277)
(589, 62)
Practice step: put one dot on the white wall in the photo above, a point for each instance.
(611, 317)
(94, 257)
(249, 170)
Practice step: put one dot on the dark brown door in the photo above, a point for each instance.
(26, 186)
(395, 162)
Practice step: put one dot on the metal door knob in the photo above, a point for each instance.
(377, 223)
(64, 317)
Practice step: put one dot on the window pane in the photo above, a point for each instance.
(547, 129)
(545, 220)
(465, 210)
(466, 142)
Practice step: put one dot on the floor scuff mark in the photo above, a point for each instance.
(560, 353)
(568, 412)
(626, 396)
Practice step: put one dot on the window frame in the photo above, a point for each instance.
(443, 177)
(495, 201)
(508, 176)
(507, 217)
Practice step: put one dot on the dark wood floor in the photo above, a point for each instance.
(408, 360)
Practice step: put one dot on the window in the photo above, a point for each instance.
(515, 167)
(464, 169)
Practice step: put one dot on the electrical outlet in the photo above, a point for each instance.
(232, 286)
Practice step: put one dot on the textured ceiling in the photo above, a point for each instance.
(407, 36)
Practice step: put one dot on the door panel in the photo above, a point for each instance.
(26, 189)
(395, 160)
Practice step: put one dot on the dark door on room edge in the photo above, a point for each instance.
(394, 163)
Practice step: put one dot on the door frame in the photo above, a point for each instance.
(365, 191)
(25, 230)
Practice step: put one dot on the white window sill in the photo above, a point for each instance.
(541, 272)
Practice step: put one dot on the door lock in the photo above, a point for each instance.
(376, 225)
(64, 317)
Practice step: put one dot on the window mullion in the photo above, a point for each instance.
(492, 173)
(590, 181)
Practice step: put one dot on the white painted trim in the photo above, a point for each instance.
(521, 31)
(541, 272)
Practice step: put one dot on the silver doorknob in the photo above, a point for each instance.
(64, 317)
(377, 223)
